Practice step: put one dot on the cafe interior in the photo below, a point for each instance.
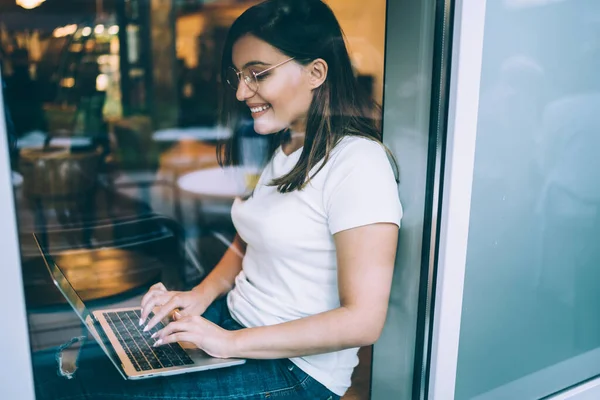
(112, 109)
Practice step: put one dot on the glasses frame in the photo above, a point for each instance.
(254, 76)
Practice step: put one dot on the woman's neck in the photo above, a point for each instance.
(293, 141)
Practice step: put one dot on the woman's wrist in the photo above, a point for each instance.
(212, 288)
(234, 344)
(205, 294)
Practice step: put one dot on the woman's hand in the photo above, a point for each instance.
(191, 303)
(209, 337)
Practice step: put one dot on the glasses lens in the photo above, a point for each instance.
(250, 80)
(232, 79)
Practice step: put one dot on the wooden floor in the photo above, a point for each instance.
(361, 378)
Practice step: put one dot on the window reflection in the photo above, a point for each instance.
(534, 215)
(113, 109)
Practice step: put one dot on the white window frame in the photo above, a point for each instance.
(467, 50)
(16, 378)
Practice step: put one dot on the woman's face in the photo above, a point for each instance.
(284, 93)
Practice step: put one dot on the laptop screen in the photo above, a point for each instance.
(63, 284)
(78, 306)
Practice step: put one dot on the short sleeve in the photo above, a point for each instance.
(360, 188)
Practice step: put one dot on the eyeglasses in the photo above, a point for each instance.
(250, 78)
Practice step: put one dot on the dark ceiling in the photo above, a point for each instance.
(54, 13)
(50, 14)
(57, 6)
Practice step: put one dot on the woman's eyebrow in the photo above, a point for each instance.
(255, 62)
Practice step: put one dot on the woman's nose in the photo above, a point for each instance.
(243, 92)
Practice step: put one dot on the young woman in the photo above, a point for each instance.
(307, 281)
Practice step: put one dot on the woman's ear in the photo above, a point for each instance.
(317, 71)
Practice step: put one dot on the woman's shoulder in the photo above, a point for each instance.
(353, 156)
(362, 155)
(358, 146)
(359, 150)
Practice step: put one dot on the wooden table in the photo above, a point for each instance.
(94, 274)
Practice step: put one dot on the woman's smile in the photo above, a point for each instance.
(258, 110)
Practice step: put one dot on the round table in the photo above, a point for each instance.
(194, 133)
(213, 191)
(217, 182)
(35, 140)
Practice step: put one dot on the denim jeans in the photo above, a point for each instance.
(97, 378)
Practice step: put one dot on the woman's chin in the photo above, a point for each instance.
(265, 129)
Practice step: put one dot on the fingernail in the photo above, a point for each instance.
(146, 329)
(157, 343)
(177, 315)
(154, 335)
(141, 322)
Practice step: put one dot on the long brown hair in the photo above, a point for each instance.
(306, 30)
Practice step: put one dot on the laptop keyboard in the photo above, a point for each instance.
(138, 344)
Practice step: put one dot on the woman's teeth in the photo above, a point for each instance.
(259, 109)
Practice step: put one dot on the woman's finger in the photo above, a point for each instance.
(146, 300)
(158, 286)
(151, 293)
(157, 300)
(164, 311)
(182, 336)
(184, 325)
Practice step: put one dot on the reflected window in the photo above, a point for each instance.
(114, 111)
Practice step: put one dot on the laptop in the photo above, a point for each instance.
(121, 338)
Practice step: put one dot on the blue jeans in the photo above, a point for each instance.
(97, 378)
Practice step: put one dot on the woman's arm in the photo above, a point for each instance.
(366, 257)
(221, 278)
(196, 301)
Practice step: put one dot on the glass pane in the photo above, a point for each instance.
(114, 116)
(408, 84)
(530, 321)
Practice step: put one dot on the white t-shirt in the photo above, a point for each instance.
(290, 268)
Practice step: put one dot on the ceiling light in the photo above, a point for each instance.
(29, 4)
